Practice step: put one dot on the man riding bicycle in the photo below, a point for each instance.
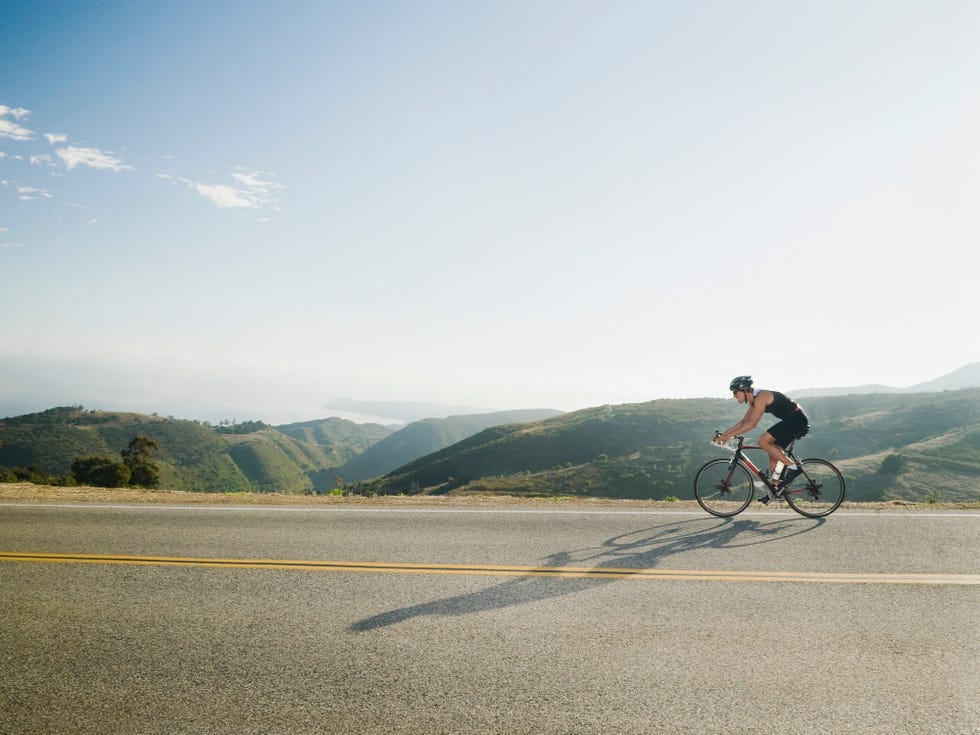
(793, 424)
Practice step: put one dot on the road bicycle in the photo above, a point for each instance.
(725, 487)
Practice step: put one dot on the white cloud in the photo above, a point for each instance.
(17, 112)
(74, 156)
(248, 189)
(12, 130)
(252, 181)
(225, 196)
(29, 193)
(252, 191)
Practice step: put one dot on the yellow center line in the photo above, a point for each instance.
(513, 571)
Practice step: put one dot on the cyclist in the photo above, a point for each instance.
(793, 423)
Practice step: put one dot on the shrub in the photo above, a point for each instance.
(892, 465)
(100, 471)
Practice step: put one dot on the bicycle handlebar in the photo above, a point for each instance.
(728, 447)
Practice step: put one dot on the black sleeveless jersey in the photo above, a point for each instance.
(781, 406)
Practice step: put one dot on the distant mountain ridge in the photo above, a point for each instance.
(967, 376)
(400, 411)
(429, 435)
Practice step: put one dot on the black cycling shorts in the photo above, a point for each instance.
(789, 429)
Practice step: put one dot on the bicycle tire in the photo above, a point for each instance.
(722, 489)
(818, 491)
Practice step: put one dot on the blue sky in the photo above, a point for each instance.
(238, 210)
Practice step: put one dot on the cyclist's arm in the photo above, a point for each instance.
(751, 418)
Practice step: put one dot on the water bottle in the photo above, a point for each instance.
(777, 471)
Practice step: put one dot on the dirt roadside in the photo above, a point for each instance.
(22, 492)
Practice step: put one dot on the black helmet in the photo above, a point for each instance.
(742, 382)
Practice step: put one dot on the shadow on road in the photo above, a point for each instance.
(641, 549)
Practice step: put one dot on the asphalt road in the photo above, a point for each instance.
(509, 622)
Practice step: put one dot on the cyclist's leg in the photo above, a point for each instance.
(781, 436)
(775, 440)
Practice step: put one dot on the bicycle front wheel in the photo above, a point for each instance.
(817, 491)
(723, 489)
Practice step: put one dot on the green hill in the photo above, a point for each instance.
(914, 446)
(429, 435)
(294, 458)
(919, 447)
(328, 444)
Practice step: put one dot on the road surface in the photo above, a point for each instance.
(159, 620)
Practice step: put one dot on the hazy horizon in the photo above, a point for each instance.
(409, 410)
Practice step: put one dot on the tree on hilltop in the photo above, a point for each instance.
(136, 469)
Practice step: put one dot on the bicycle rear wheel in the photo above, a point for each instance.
(817, 491)
(723, 489)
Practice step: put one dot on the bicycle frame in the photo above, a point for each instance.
(740, 456)
(725, 487)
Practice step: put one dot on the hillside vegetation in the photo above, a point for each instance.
(310, 456)
(914, 447)
(191, 456)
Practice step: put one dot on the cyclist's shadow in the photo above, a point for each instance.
(641, 549)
